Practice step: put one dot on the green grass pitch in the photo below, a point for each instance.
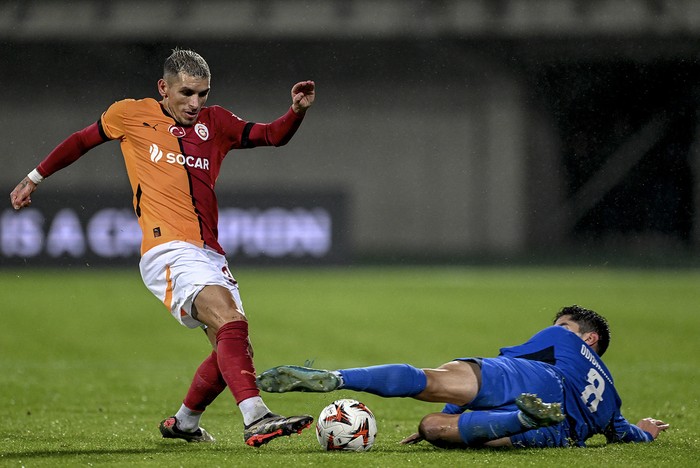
(90, 362)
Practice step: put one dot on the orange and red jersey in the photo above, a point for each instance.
(172, 169)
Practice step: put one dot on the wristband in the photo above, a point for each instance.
(35, 177)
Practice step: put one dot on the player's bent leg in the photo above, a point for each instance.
(207, 384)
(440, 429)
(490, 428)
(215, 306)
(473, 429)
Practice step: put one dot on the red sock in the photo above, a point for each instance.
(206, 385)
(235, 361)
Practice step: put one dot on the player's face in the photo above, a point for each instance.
(591, 337)
(184, 96)
(566, 322)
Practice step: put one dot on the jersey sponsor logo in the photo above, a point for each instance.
(202, 131)
(176, 131)
(156, 153)
(178, 158)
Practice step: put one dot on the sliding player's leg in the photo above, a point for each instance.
(454, 382)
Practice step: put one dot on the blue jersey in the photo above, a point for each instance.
(591, 403)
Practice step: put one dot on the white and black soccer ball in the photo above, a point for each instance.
(346, 425)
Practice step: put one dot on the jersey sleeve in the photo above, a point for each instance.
(232, 131)
(621, 430)
(276, 133)
(112, 120)
(239, 133)
(71, 149)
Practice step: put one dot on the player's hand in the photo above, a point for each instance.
(412, 439)
(303, 94)
(653, 426)
(20, 196)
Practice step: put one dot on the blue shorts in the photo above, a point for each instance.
(503, 379)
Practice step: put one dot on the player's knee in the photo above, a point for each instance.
(428, 428)
(433, 429)
(215, 306)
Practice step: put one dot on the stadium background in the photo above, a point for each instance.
(510, 133)
(462, 131)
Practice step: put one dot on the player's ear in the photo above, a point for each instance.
(591, 339)
(163, 87)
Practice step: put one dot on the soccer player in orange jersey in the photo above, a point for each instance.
(173, 150)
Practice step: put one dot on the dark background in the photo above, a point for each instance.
(458, 131)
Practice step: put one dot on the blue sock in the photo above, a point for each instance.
(391, 380)
(477, 427)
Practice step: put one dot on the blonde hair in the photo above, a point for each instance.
(185, 61)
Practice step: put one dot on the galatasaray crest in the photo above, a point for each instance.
(202, 131)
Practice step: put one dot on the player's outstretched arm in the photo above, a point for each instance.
(303, 95)
(66, 153)
(646, 430)
(280, 131)
(21, 195)
(653, 426)
(412, 439)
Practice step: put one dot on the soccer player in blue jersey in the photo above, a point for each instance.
(551, 391)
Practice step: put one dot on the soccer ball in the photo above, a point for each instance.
(346, 425)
